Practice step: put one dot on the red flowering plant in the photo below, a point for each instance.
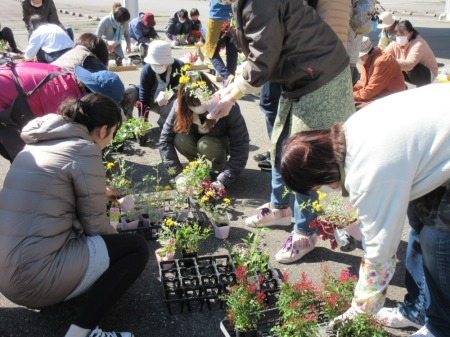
(244, 302)
(334, 215)
(337, 291)
(298, 304)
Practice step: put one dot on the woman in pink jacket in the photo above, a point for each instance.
(412, 52)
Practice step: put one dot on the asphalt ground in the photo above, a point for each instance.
(142, 309)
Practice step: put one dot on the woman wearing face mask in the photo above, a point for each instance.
(380, 75)
(112, 28)
(412, 52)
(161, 73)
(179, 24)
(225, 142)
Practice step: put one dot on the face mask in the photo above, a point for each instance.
(159, 69)
(182, 20)
(402, 40)
(198, 109)
(36, 5)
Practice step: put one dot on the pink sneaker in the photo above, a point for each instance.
(296, 246)
(268, 216)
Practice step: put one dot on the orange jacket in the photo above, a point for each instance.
(380, 76)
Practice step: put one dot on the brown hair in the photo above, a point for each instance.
(184, 115)
(95, 44)
(312, 158)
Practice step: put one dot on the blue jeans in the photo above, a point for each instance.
(417, 298)
(436, 258)
(232, 54)
(302, 218)
(268, 103)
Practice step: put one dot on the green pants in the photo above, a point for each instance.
(215, 149)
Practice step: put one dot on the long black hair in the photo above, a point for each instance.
(92, 111)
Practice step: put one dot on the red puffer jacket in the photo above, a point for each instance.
(47, 98)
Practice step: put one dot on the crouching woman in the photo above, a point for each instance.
(56, 241)
(225, 142)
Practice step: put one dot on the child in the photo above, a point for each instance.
(196, 24)
(178, 28)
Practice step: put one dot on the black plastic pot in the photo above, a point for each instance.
(142, 139)
(248, 333)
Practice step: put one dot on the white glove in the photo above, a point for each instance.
(162, 101)
(349, 314)
(217, 185)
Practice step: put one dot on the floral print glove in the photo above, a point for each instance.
(371, 289)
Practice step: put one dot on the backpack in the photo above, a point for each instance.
(19, 113)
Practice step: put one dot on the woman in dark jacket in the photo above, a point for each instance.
(179, 24)
(225, 142)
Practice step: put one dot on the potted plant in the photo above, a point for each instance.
(215, 204)
(298, 306)
(130, 219)
(192, 177)
(189, 238)
(140, 128)
(335, 218)
(251, 255)
(167, 240)
(244, 304)
(362, 325)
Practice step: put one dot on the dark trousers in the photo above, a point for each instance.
(268, 103)
(128, 254)
(7, 35)
(232, 54)
(44, 57)
(419, 75)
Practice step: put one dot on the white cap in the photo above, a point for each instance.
(366, 45)
(159, 52)
(386, 19)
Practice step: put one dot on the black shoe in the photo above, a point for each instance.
(265, 165)
(262, 156)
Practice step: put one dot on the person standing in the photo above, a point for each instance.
(412, 52)
(384, 176)
(216, 39)
(292, 46)
(44, 8)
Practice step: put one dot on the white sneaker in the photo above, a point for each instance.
(99, 333)
(423, 332)
(295, 247)
(393, 318)
(268, 216)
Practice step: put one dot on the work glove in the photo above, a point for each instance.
(217, 185)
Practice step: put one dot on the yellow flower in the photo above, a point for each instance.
(109, 166)
(204, 199)
(210, 194)
(317, 206)
(148, 200)
(202, 204)
(201, 83)
(169, 222)
(186, 67)
(167, 188)
(321, 195)
(171, 171)
(227, 201)
(184, 79)
(159, 187)
(185, 170)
